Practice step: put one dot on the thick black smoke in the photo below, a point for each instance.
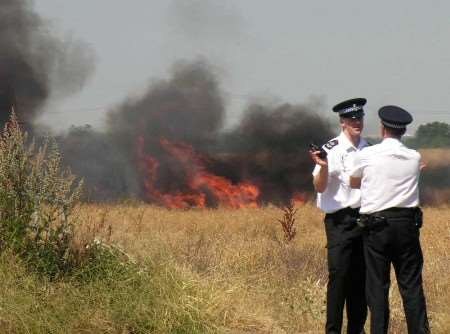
(268, 148)
(188, 108)
(107, 171)
(33, 60)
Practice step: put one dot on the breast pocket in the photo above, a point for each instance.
(348, 161)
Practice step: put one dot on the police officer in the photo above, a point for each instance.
(346, 279)
(388, 175)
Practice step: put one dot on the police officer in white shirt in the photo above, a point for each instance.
(346, 281)
(388, 175)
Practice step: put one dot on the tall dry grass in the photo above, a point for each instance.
(436, 157)
(52, 282)
(135, 268)
(435, 178)
(258, 283)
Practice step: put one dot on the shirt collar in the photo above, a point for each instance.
(348, 144)
(391, 142)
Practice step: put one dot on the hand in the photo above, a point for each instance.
(317, 160)
(422, 166)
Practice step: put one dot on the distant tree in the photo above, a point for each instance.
(435, 134)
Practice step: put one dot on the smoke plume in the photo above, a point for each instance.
(188, 108)
(33, 60)
(168, 145)
(272, 143)
(161, 143)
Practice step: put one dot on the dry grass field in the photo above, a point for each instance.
(251, 280)
(436, 157)
(133, 268)
(435, 180)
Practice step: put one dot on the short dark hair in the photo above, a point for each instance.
(397, 132)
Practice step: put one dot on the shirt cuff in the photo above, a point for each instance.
(316, 170)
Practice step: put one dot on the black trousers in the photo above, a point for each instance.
(395, 241)
(346, 269)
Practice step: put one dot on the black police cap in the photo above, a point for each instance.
(352, 108)
(394, 117)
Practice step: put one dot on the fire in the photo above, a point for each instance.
(298, 198)
(203, 186)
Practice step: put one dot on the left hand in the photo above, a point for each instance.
(422, 166)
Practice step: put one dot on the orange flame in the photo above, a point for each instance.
(200, 181)
(298, 198)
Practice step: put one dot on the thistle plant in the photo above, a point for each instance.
(36, 199)
(288, 222)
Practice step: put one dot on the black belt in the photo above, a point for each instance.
(379, 218)
(346, 216)
(344, 211)
(396, 212)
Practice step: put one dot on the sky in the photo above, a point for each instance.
(390, 52)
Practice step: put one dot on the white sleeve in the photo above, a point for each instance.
(333, 166)
(316, 170)
(421, 161)
(356, 168)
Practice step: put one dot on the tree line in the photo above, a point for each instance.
(430, 135)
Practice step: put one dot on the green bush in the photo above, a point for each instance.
(36, 199)
(48, 284)
(124, 301)
(432, 135)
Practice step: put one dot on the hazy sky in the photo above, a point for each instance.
(391, 52)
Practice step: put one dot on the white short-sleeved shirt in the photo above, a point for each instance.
(389, 174)
(338, 194)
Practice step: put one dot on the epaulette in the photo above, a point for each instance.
(331, 144)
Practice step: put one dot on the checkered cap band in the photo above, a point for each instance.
(393, 125)
(350, 109)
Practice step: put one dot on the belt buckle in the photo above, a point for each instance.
(377, 222)
(363, 221)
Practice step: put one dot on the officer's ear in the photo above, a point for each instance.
(382, 130)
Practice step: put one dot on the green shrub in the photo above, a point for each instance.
(125, 301)
(51, 284)
(103, 262)
(36, 199)
(431, 135)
